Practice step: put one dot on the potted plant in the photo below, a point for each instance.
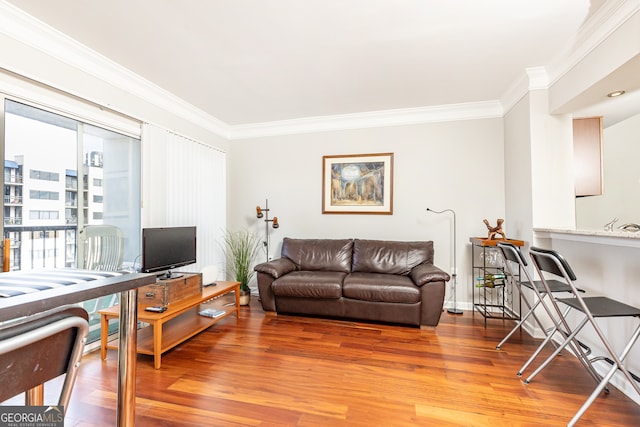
(241, 251)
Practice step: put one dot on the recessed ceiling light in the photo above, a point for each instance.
(615, 93)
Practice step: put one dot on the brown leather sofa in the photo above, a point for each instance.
(373, 280)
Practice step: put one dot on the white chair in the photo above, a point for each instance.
(102, 249)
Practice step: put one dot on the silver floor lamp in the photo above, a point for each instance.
(454, 275)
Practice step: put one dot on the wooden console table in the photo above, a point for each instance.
(177, 324)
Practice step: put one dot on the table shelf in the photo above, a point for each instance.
(178, 323)
(493, 295)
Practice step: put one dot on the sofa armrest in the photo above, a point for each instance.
(276, 268)
(425, 273)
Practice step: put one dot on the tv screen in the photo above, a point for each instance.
(166, 248)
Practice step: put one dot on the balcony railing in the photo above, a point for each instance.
(35, 247)
(12, 220)
(13, 179)
(12, 200)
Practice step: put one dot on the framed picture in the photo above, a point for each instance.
(357, 184)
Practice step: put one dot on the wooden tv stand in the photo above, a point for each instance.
(177, 324)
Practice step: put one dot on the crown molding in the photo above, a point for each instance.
(399, 117)
(25, 29)
(533, 78)
(607, 19)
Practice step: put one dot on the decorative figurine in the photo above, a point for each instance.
(494, 231)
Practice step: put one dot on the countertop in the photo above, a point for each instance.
(616, 237)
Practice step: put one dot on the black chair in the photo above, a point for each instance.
(514, 257)
(515, 266)
(552, 263)
(39, 348)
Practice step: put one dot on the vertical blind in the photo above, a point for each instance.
(187, 186)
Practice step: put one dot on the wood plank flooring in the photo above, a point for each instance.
(260, 370)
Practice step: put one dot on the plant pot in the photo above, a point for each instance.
(245, 297)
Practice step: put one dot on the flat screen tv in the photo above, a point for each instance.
(166, 248)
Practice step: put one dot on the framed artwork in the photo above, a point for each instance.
(357, 184)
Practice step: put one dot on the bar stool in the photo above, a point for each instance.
(39, 348)
(551, 262)
(513, 258)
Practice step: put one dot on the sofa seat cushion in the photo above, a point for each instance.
(380, 287)
(309, 284)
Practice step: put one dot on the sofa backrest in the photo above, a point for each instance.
(319, 254)
(391, 257)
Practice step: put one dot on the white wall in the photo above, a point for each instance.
(553, 185)
(517, 166)
(621, 198)
(451, 165)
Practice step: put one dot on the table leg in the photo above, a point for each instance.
(157, 344)
(237, 294)
(127, 344)
(35, 396)
(104, 335)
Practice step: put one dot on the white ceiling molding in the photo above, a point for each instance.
(31, 32)
(405, 116)
(601, 25)
(598, 27)
(533, 78)
(538, 78)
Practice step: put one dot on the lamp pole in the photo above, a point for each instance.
(261, 212)
(454, 275)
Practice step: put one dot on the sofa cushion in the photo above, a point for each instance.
(319, 254)
(309, 284)
(378, 256)
(380, 287)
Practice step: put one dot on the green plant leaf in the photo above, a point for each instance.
(241, 250)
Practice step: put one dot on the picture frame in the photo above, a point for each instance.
(357, 184)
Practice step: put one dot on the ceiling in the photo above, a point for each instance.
(256, 61)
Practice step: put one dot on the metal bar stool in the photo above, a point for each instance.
(592, 308)
(513, 256)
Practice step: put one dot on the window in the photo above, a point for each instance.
(44, 195)
(44, 215)
(108, 158)
(44, 175)
(66, 191)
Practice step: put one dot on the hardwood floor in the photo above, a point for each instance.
(262, 370)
